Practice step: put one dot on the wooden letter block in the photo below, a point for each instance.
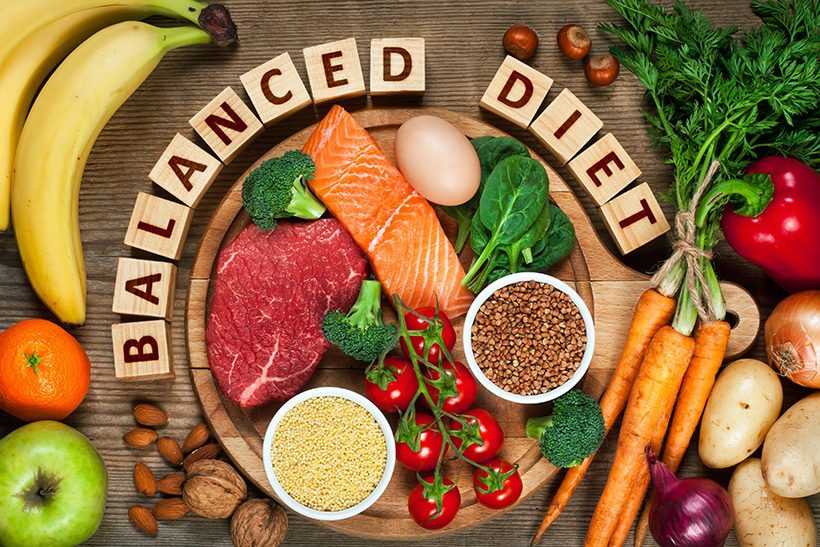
(334, 70)
(275, 89)
(634, 218)
(565, 126)
(142, 351)
(185, 170)
(397, 66)
(145, 288)
(227, 125)
(158, 226)
(516, 92)
(604, 169)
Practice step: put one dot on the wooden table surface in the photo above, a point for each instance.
(463, 52)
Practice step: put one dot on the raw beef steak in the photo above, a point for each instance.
(271, 292)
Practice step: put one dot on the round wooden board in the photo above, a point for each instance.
(608, 287)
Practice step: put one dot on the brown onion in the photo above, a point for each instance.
(792, 334)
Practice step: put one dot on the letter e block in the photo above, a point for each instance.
(334, 70)
(565, 126)
(275, 89)
(516, 92)
(145, 288)
(634, 218)
(604, 169)
(142, 351)
(158, 226)
(397, 66)
(185, 170)
(227, 125)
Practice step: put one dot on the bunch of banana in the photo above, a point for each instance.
(43, 151)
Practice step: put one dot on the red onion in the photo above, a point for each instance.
(692, 512)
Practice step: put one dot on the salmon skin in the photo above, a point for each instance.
(395, 226)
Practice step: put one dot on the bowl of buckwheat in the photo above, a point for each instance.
(528, 338)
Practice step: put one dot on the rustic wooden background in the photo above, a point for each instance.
(463, 52)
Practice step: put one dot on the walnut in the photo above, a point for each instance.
(213, 489)
(259, 523)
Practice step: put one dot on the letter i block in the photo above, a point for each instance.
(186, 171)
(142, 351)
(275, 89)
(334, 70)
(158, 226)
(516, 92)
(145, 288)
(227, 125)
(397, 66)
(634, 218)
(565, 126)
(604, 169)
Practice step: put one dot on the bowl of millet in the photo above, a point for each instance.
(528, 338)
(329, 453)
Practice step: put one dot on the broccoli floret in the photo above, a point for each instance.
(574, 431)
(361, 333)
(277, 189)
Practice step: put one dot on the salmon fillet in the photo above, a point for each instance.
(395, 226)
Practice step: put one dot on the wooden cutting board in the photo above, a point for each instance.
(609, 288)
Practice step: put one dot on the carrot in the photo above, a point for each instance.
(711, 340)
(652, 311)
(659, 377)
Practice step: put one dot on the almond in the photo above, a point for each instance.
(196, 438)
(150, 415)
(140, 438)
(144, 480)
(207, 452)
(171, 484)
(170, 450)
(170, 509)
(141, 517)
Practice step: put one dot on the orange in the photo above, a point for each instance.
(44, 371)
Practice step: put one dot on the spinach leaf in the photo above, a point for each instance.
(522, 247)
(557, 245)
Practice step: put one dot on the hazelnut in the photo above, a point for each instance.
(213, 489)
(521, 42)
(602, 70)
(258, 523)
(574, 42)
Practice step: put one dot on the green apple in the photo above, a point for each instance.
(53, 485)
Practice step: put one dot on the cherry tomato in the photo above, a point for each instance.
(398, 393)
(465, 385)
(430, 443)
(422, 505)
(491, 434)
(440, 329)
(507, 490)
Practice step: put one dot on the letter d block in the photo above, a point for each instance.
(397, 66)
(227, 125)
(142, 351)
(145, 288)
(634, 218)
(275, 89)
(158, 226)
(334, 71)
(516, 92)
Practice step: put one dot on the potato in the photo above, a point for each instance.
(764, 519)
(791, 452)
(744, 404)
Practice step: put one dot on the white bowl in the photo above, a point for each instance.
(286, 498)
(553, 393)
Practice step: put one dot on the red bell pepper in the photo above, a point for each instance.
(784, 240)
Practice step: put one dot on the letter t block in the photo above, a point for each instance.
(634, 218)
(142, 351)
(516, 92)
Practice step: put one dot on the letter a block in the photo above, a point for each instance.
(604, 169)
(516, 92)
(397, 66)
(634, 218)
(185, 170)
(142, 351)
(145, 288)
(334, 70)
(275, 89)
(227, 125)
(565, 126)
(158, 226)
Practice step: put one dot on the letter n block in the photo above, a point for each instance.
(397, 66)
(334, 70)
(634, 218)
(275, 89)
(227, 125)
(142, 351)
(145, 288)
(604, 169)
(516, 92)
(158, 226)
(565, 126)
(185, 170)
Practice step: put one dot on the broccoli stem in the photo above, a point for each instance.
(368, 308)
(536, 426)
(304, 204)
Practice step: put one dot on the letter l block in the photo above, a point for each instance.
(142, 351)
(516, 92)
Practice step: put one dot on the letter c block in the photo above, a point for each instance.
(275, 89)
(142, 351)
(516, 92)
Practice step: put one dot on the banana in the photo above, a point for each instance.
(65, 120)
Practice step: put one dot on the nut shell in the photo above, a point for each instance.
(150, 415)
(144, 480)
(141, 517)
(213, 489)
(170, 450)
(259, 523)
(197, 437)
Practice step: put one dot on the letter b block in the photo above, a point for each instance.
(142, 351)
(396, 66)
(227, 125)
(334, 71)
(516, 92)
(634, 218)
(145, 288)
